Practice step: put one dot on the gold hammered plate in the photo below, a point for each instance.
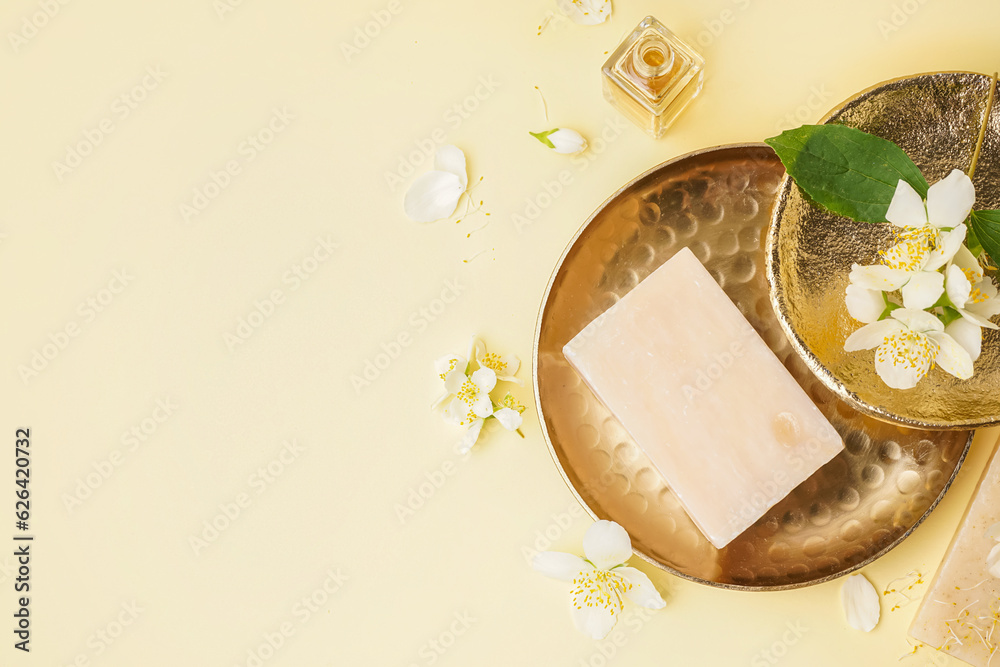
(935, 118)
(864, 502)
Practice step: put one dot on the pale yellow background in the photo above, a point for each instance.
(334, 507)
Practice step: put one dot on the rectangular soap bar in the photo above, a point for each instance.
(717, 413)
(957, 614)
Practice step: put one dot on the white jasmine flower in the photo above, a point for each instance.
(586, 12)
(601, 581)
(861, 604)
(971, 292)
(509, 413)
(907, 343)
(435, 194)
(949, 202)
(505, 366)
(562, 140)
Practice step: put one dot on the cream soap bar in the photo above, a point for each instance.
(726, 425)
(958, 614)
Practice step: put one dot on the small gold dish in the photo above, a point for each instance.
(857, 507)
(935, 118)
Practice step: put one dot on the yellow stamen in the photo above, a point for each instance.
(600, 588)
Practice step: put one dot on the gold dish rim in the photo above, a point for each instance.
(776, 293)
(555, 456)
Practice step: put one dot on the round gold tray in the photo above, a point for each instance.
(935, 118)
(864, 502)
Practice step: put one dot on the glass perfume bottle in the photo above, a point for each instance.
(652, 76)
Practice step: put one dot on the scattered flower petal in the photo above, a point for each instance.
(435, 195)
(861, 604)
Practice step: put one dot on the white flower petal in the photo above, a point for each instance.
(454, 380)
(509, 419)
(451, 159)
(485, 379)
(950, 200)
(456, 411)
(861, 604)
(864, 305)
(968, 335)
(952, 357)
(993, 561)
(482, 406)
(643, 592)
(586, 12)
(567, 141)
(985, 309)
(441, 400)
(879, 277)
(595, 622)
(477, 348)
(903, 375)
(468, 441)
(923, 290)
(948, 244)
(433, 196)
(976, 318)
(918, 320)
(606, 544)
(872, 335)
(559, 565)
(906, 208)
(958, 286)
(445, 365)
(965, 259)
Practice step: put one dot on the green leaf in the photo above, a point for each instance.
(850, 172)
(972, 243)
(986, 227)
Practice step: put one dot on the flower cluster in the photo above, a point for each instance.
(928, 300)
(468, 383)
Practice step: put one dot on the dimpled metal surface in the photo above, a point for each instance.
(935, 118)
(865, 501)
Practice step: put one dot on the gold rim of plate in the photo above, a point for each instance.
(935, 118)
(864, 502)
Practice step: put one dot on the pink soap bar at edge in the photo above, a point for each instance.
(719, 416)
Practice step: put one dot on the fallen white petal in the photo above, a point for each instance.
(950, 200)
(559, 565)
(906, 208)
(433, 196)
(861, 604)
(451, 159)
(993, 561)
(586, 12)
(606, 544)
(863, 304)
